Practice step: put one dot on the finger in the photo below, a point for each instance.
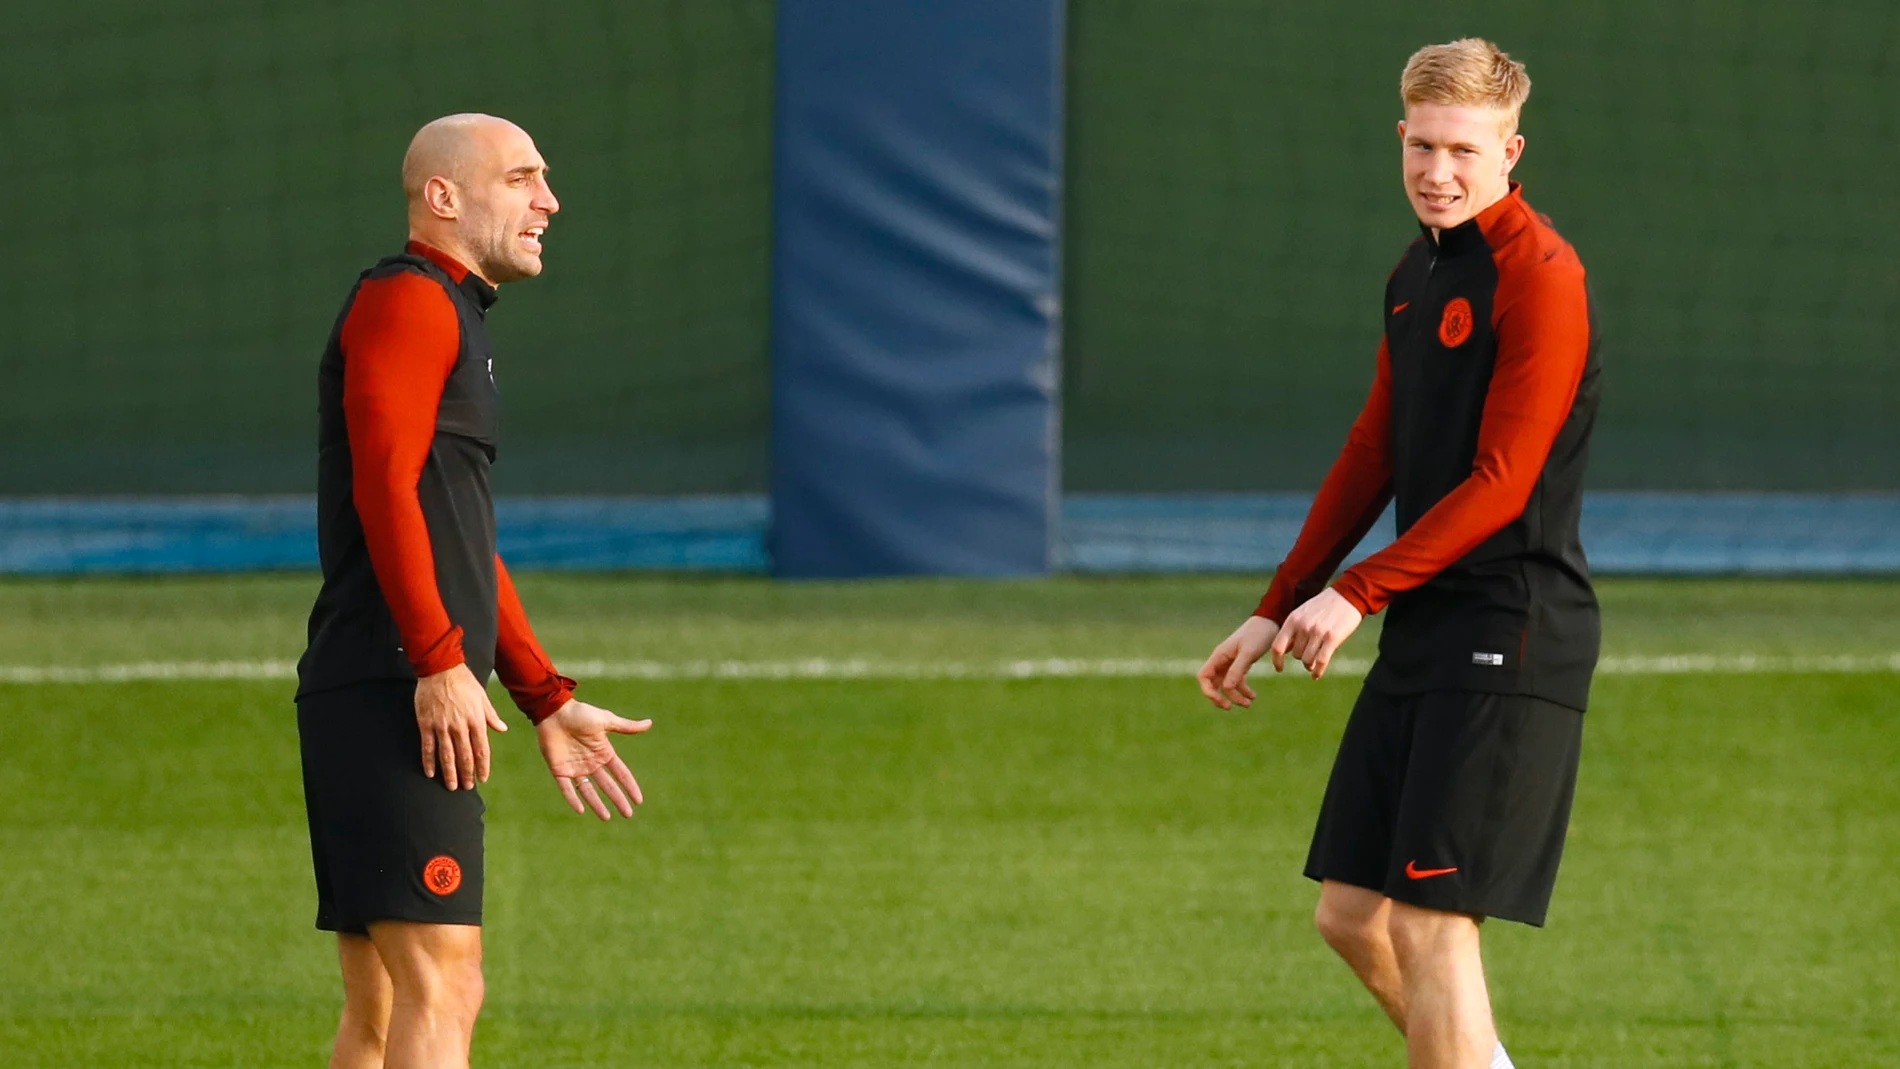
(567, 792)
(1206, 679)
(615, 794)
(1309, 647)
(621, 772)
(1234, 686)
(1283, 642)
(1316, 645)
(465, 754)
(1325, 655)
(620, 725)
(428, 753)
(494, 718)
(445, 756)
(1246, 691)
(479, 736)
(592, 798)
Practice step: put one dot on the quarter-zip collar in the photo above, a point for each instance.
(1468, 236)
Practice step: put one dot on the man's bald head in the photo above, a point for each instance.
(477, 189)
(451, 147)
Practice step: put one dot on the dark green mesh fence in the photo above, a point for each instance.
(196, 183)
(1727, 168)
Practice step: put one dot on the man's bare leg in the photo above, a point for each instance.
(1355, 922)
(365, 1025)
(1447, 1008)
(435, 973)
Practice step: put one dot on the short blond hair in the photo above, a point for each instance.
(1468, 73)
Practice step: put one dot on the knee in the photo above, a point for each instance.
(1420, 934)
(455, 988)
(1350, 932)
(366, 1020)
(450, 985)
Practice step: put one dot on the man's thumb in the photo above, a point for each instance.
(623, 726)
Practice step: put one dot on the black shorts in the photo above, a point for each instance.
(1451, 800)
(388, 842)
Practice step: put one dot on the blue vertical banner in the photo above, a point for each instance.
(916, 288)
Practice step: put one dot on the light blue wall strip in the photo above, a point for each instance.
(58, 536)
(1624, 533)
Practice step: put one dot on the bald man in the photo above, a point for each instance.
(417, 610)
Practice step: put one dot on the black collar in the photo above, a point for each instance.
(1466, 237)
(479, 291)
(471, 284)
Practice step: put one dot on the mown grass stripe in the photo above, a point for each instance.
(828, 668)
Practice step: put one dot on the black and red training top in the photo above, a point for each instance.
(1478, 426)
(408, 416)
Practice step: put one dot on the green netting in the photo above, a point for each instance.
(197, 182)
(1725, 167)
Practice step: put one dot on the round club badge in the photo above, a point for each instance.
(1455, 328)
(442, 875)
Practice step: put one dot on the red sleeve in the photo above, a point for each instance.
(1543, 336)
(1349, 503)
(519, 660)
(399, 345)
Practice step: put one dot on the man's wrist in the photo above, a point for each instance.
(551, 705)
(443, 654)
(1353, 587)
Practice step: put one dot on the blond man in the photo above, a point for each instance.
(1450, 796)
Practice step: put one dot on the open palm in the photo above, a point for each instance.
(577, 745)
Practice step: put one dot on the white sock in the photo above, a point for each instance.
(1501, 1060)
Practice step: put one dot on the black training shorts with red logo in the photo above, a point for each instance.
(1451, 800)
(388, 842)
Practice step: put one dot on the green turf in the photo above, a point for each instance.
(92, 621)
(1031, 873)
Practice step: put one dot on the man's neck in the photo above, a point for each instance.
(452, 249)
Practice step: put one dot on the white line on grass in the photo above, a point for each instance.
(821, 668)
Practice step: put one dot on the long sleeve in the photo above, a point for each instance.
(1355, 492)
(400, 344)
(523, 666)
(1543, 346)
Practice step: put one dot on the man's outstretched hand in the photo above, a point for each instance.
(581, 756)
(1312, 633)
(1224, 677)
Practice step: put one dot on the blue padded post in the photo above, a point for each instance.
(916, 287)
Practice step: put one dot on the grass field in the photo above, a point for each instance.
(1079, 871)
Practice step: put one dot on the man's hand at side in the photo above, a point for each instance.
(576, 745)
(1312, 633)
(453, 713)
(1224, 677)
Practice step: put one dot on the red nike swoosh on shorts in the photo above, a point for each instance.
(1401, 308)
(1414, 872)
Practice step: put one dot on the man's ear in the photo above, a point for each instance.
(443, 199)
(1513, 152)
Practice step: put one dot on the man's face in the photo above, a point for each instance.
(1457, 161)
(507, 205)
